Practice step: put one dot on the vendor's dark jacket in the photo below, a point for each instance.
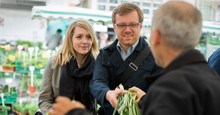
(109, 67)
(188, 86)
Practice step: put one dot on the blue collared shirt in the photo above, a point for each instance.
(125, 55)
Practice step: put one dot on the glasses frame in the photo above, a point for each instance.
(131, 26)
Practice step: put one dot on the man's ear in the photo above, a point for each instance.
(114, 26)
(141, 25)
(157, 37)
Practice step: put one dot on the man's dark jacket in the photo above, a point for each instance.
(109, 67)
(188, 86)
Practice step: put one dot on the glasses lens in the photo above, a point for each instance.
(131, 26)
(121, 26)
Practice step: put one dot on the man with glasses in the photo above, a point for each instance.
(115, 59)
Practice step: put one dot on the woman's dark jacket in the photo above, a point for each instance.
(74, 82)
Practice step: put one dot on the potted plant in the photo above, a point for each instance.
(32, 87)
(20, 109)
(9, 64)
(32, 108)
(4, 110)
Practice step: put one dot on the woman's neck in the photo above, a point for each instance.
(80, 59)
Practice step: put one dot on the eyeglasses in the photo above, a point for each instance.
(124, 26)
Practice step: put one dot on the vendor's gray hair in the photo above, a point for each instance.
(180, 24)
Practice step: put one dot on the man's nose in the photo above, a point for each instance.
(127, 28)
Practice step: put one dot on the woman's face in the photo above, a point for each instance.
(82, 41)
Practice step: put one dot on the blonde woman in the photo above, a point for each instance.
(68, 72)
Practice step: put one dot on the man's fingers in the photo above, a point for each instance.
(135, 89)
(55, 107)
(61, 99)
(121, 87)
(117, 89)
(52, 112)
(118, 92)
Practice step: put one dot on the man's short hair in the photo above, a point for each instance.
(125, 8)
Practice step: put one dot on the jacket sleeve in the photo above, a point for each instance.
(214, 61)
(99, 83)
(45, 100)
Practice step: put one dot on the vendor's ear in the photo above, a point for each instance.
(156, 38)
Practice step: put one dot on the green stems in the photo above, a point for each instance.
(126, 104)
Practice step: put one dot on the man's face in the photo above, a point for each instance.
(127, 28)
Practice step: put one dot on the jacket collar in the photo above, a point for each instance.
(139, 47)
(114, 57)
(189, 57)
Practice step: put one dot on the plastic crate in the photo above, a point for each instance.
(26, 70)
(22, 69)
(1, 74)
(9, 98)
(8, 74)
(18, 64)
(37, 71)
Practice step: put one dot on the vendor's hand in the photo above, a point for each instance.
(112, 95)
(139, 92)
(63, 105)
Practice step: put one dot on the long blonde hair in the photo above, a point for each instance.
(66, 51)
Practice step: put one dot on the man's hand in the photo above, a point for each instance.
(112, 95)
(139, 92)
(63, 105)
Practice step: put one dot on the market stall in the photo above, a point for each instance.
(62, 12)
(59, 17)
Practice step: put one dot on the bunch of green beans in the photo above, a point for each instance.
(126, 104)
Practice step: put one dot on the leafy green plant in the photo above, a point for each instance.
(5, 89)
(32, 108)
(25, 108)
(23, 42)
(4, 108)
(126, 104)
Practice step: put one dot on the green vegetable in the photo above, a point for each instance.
(4, 108)
(126, 104)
